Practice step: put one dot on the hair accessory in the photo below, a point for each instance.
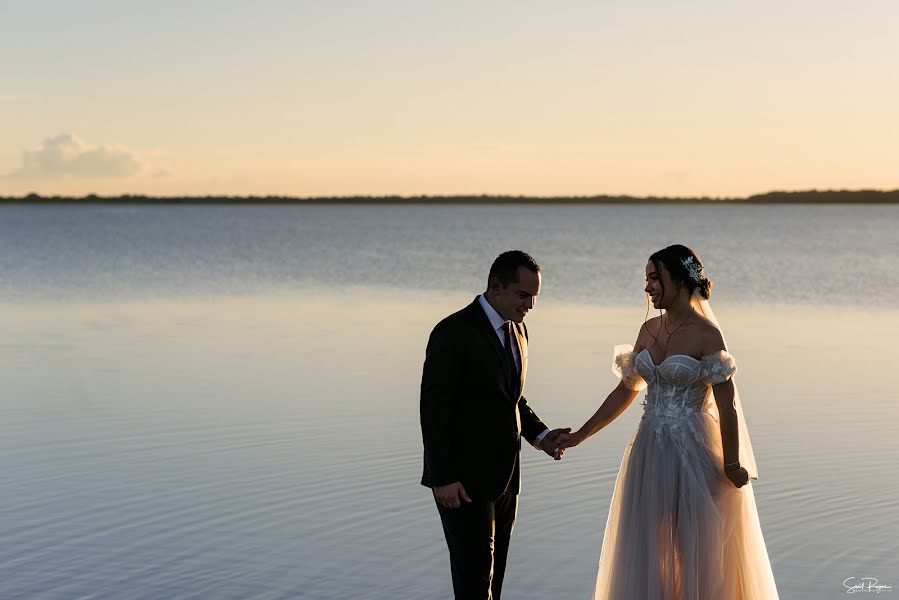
(694, 269)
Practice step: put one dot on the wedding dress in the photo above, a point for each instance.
(678, 529)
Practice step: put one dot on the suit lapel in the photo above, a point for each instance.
(485, 328)
(522, 356)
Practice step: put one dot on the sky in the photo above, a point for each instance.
(364, 97)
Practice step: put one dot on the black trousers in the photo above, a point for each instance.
(477, 535)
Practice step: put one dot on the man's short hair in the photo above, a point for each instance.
(506, 266)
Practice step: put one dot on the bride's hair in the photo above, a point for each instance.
(682, 264)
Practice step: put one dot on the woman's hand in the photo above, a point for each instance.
(737, 475)
(570, 440)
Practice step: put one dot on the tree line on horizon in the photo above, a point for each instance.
(776, 197)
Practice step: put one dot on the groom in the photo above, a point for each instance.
(472, 419)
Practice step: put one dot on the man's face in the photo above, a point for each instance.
(515, 300)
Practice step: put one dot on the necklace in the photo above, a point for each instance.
(673, 331)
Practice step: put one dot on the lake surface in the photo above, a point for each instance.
(222, 402)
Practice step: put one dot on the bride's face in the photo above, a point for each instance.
(659, 286)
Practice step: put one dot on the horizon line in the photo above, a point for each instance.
(862, 196)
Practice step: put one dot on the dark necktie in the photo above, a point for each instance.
(513, 370)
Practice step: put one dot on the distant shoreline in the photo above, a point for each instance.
(803, 197)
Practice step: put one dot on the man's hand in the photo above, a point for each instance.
(550, 445)
(448, 496)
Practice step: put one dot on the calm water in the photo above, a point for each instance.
(207, 402)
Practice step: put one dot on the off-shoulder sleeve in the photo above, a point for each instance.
(623, 365)
(717, 368)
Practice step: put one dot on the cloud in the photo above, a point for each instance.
(67, 155)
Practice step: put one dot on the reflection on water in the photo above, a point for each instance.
(269, 447)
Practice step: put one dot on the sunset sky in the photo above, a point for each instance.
(345, 97)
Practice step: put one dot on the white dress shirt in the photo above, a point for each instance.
(498, 325)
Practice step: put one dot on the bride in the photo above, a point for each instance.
(683, 523)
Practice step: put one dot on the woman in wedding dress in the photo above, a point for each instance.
(683, 523)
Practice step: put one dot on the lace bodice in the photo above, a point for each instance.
(678, 374)
(677, 388)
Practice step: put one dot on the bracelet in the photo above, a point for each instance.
(736, 463)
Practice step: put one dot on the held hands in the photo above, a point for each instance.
(569, 440)
(550, 442)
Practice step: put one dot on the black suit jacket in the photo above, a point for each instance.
(472, 422)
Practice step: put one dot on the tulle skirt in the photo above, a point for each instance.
(678, 529)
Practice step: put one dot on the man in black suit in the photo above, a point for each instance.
(473, 417)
